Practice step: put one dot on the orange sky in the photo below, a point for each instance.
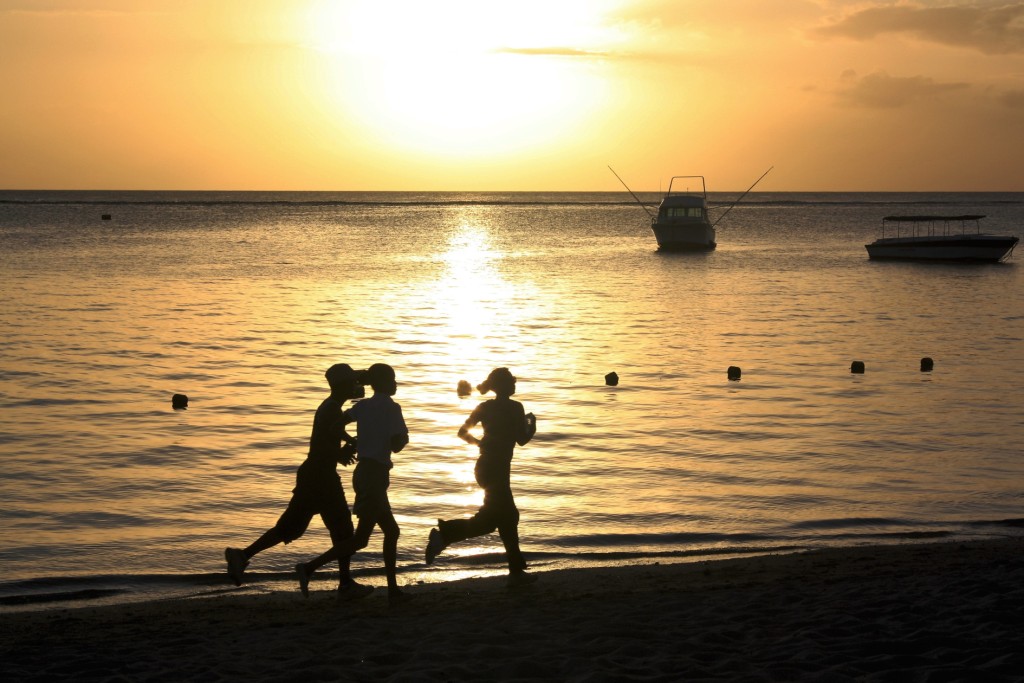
(524, 95)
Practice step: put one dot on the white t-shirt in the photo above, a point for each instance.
(377, 419)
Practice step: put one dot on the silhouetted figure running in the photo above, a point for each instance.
(381, 431)
(317, 486)
(505, 425)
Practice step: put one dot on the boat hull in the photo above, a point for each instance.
(968, 248)
(684, 237)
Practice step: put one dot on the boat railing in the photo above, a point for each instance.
(703, 187)
(932, 224)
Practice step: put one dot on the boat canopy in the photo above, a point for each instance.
(703, 187)
(933, 224)
(927, 219)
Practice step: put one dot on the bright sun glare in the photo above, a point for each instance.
(460, 77)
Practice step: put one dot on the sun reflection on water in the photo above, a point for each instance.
(471, 290)
(469, 319)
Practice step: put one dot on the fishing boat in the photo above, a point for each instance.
(682, 223)
(939, 238)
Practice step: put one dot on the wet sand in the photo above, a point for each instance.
(911, 612)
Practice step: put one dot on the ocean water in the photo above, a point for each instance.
(242, 300)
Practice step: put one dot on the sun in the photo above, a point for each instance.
(462, 78)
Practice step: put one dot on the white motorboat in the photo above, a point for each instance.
(682, 223)
(939, 238)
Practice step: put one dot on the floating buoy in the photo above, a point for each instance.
(105, 216)
(464, 388)
(179, 401)
(611, 379)
(927, 364)
(857, 367)
(734, 373)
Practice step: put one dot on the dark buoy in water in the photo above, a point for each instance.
(105, 216)
(464, 388)
(927, 364)
(179, 401)
(857, 367)
(611, 379)
(734, 373)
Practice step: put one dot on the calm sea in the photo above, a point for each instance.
(242, 300)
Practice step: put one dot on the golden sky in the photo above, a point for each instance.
(511, 94)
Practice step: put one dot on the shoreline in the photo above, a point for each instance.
(920, 611)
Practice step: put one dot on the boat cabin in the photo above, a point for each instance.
(681, 208)
(685, 206)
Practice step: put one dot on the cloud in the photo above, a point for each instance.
(1013, 99)
(882, 91)
(990, 30)
(68, 7)
(553, 52)
(731, 15)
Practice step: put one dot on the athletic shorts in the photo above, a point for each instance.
(316, 493)
(370, 482)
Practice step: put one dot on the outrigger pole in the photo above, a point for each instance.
(741, 196)
(649, 214)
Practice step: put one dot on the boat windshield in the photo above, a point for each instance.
(684, 212)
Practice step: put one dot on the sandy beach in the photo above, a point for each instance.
(911, 612)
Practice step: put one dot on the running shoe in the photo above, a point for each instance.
(435, 544)
(304, 576)
(236, 564)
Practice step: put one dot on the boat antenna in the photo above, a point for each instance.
(742, 196)
(649, 214)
